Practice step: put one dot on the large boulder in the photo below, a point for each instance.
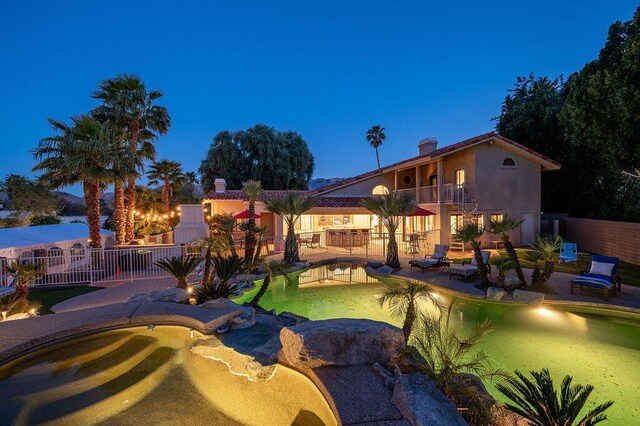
(528, 297)
(176, 295)
(495, 293)
(422, 403)
(247, 317)
(340, 342)
(289, 318)
(384, 270)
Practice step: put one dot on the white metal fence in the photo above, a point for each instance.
(84, 266)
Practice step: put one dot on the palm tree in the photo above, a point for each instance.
(23, 273)
(402, 298)
(179, 268)
(14, 304)
(170, 174)
(290, 207)
(471, 233)
(503, 264)
(375, 136)
(212, 245)
(224, 224)
(391, 208)
(503, 228)
(121, 172)
(544, 249)
(252, 190)
(271, 269)
(191, 180)
(126, 99)
(82, 153)
(537, 400)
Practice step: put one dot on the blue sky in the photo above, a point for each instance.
(328, 70)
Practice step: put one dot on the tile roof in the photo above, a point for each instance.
(237, 194)
(338, 202)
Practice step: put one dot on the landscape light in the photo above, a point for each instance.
(545, 312)
(4, 314)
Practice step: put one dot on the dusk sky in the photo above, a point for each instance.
(328, 70)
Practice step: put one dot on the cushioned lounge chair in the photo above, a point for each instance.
(602, 275)
(568, 253)
(436, 260)
(470, 269)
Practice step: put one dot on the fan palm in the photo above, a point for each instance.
(125, 98)
(271, 269)
(544, 249)
(502, 228)
(15, 304)
(179, 268)
(402, 297)
(391, 208)
(170, 174)
(191, 180)
(223, 224)
(471, 233)
(23, 273)
(290, 207)
(537, 400)
(503, 264)
(252, 190)
(375, 136)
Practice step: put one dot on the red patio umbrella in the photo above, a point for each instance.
(421, 212)
(245, 215)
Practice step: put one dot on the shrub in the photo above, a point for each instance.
(14, 304)
(44, 219)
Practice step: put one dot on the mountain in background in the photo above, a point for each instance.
(317, 183)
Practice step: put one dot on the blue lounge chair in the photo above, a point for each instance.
(568, 253)
(436, 260)
(602, 274)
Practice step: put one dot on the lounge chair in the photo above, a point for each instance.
(436, 260)
(470, 269)
(568, 253)
(602, 275)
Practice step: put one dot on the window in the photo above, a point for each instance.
(458, 177)
(509, 162)
(496, 217)
(55, 256)
(407, 179)
(478, 219)
(77, 250)
(328, 220)
(456, 223)
(380, 190)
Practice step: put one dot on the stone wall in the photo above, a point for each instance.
(619, 239)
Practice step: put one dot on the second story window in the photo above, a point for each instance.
(458, 177)
(509, 163)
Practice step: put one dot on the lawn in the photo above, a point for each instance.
(49, 297)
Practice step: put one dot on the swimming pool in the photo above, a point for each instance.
(142, 376)
(598, 347)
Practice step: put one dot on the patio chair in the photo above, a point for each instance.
(314, 241)
(467, 270)
(568, 253)
(602, 275)
(437, 259)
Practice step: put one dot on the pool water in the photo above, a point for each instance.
(596, 347)
(139, 376)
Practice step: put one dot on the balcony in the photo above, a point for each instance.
(451, 194)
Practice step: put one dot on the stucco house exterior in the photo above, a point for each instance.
(481, 179)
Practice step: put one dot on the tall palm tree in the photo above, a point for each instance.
(502, 228)
(537, 400)
(290, 207)
(121, 172)
(402, 298)
(391, 208)
(82, 153)
(23, 272)
(191, 180)
(375, 136)
(170, 174)
(179, 268)
(471, 233)
(252, 190)
(126, 99)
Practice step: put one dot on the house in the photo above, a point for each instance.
(480, 179)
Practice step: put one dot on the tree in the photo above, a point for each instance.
(391, 208)
(223, 224)
(252, 190)
(290, 207)
(28, 198)
(502, 228)
(544, 249)
(503, 264)
(126, 100)
(280, 160)
(213, 245)
(170, 174)
(402, 297)
(179, 268)
(471, 233)
(375, 137)
(537, 400)
(23, 272)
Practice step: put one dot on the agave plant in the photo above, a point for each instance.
(402, 298)
(537, 400)
(15, 304)
(179, 267)
(225, 268)
(23, 272)
(544, 249)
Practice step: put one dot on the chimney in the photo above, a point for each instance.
(221, 185)
(427, 145)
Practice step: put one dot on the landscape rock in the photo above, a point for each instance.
(340, 342)
(238, 363)
(247, 316)
(176, 295)
(370, 271)
(289, 318)
(528, 297)
(384, 270)
(374, 265)
(422, 403)
(495, 293)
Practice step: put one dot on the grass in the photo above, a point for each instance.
(50, 297)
